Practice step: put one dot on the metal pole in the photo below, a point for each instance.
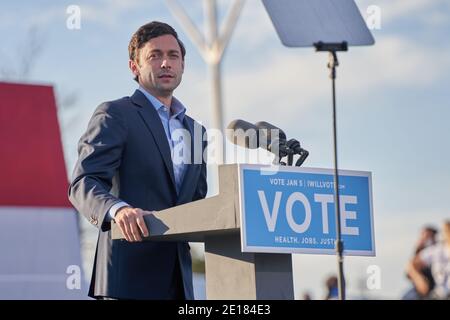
(216, 82)
(333, 63)
(214, 68)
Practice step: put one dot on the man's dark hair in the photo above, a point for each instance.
(431, 229)
(147, 32)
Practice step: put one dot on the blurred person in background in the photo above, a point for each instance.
(332, 288)
(437, 258)
(428, 236)
(307, 296)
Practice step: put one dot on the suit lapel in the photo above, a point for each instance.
(193, 170)
(154, 125)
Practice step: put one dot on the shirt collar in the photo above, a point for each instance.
(177, 107)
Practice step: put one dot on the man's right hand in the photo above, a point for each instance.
(131, 223)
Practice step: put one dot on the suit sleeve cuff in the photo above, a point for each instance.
(113, 210)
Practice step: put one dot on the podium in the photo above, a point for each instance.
(230, 273)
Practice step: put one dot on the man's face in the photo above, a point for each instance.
(160, 66)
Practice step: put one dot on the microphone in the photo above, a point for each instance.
(244, 134)
(269, 127)
(247, 135)
(276, 138)
(289, 148)
(267, 136)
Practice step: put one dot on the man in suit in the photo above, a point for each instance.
(133, 160)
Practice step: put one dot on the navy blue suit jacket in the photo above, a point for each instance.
(124, 156)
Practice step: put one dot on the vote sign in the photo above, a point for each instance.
(292, 210)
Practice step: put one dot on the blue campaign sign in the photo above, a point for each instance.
(292, 210)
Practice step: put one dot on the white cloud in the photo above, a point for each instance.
(395, 9)
(254, 26)
(394, 61)
(108, 12)
(103, 12)
(436, 18)
(298, 79)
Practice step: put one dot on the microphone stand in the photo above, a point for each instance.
(290, 158)
(293, 149)
(290, 149)
(332, 48)
(303, 155)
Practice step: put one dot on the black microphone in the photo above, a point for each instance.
(276, 138)
(271, 129)
(247, 135)
(267, 136)
(289, 148)
(244, 134)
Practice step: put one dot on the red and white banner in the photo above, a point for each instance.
(39, 239)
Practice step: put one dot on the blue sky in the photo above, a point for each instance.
(393, 102)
